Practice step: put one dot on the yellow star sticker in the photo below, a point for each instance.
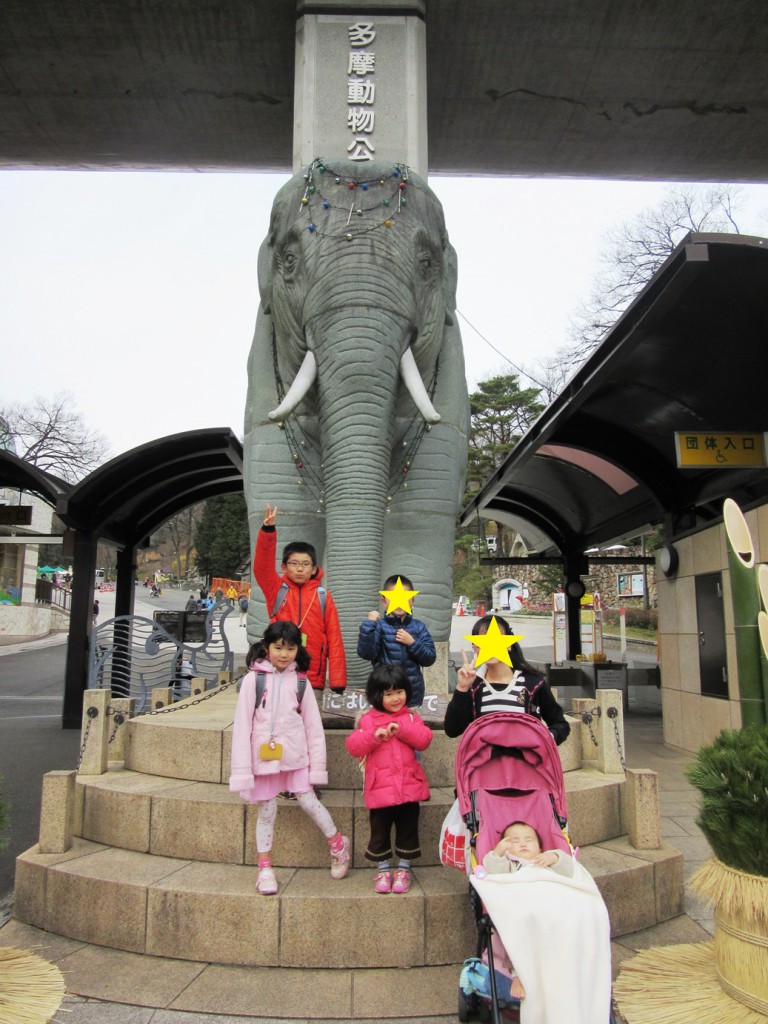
(493, 644)
(399, 597)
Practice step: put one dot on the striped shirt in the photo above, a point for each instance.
(512, 696)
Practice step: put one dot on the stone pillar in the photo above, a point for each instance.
(162, 696)
(580, 705)
(95, 733)
(361, 82)
(640, 804)
(198, 686)
(122, 710)
(56, 811)
(608, 727)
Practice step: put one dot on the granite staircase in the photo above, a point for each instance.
(161, 864)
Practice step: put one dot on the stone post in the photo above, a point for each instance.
(162, 696)
(95, 732)
(122, 709)
(198, 686)
(578, 706)
(640, 804)
(608, 727)
(56, 812)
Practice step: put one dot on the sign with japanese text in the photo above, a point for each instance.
(719, 450)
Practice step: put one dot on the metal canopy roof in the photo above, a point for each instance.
(690, 354)
(15, 472)
(133, 494)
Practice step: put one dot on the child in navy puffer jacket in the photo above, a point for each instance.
(385, 739)
(398, 639)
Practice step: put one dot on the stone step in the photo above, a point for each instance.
(203, 821)
(194, 742)
(170, 907)
(300, 993)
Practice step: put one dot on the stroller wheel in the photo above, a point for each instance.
(463, 1008)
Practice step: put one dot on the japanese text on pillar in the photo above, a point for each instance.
(361, 91)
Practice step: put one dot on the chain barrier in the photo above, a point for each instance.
(186, 703)
(614, 715)
(588, 717)
(119, 718)
(92, 713)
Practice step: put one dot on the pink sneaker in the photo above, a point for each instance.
(340, 859)
(266, 882)
(402, 882)
(383, 882)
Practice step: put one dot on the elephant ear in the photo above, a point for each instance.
(450, 281)
(264, 269)
(279, 222)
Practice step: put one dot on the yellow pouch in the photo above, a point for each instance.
(271, 751)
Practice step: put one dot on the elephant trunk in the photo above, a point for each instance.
(358, 356)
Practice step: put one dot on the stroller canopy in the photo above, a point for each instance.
(510, 751)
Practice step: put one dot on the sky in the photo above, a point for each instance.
(137, 292)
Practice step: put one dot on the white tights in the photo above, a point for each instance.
(308, 802)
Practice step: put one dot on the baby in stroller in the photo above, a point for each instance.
(535, 905)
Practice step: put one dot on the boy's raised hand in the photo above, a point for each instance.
(270, 516)
(374, 616)
(465, 675)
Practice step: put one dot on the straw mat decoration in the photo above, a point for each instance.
(678, 985)
(31, 989)
(734, 893)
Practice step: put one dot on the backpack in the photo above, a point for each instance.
(283, 592)
(261, 686)
(244, 604)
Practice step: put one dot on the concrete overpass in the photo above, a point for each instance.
(583, 88)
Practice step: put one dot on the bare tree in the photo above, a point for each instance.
(178, 534)
(52, 435)
(636, 249)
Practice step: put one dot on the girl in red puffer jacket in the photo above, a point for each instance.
(386, 739)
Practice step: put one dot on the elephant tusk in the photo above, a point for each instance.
(303, 381)
(412, 380)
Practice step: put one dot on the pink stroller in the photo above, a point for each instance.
(507, 769)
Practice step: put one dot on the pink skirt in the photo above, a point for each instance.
(268, 786)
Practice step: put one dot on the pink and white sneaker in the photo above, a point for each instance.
(402, 882)
(266, 882)
(383, 881)
(340, 858)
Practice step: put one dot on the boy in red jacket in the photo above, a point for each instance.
(297, 596)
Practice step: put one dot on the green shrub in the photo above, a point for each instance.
(638, 618)
(732, 776)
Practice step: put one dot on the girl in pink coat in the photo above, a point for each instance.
(278, 744)
(385, 739)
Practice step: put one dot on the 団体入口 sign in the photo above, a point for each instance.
(719, 450)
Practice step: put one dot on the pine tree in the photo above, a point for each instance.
(221, 538)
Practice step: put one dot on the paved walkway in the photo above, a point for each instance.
(644, 749)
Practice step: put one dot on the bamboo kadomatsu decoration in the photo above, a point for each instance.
(746, 605)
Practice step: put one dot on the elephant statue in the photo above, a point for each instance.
(357, 413)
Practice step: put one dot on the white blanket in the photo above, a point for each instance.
(557, 934)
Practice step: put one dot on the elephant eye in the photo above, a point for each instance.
(290, 262)
(427, 262)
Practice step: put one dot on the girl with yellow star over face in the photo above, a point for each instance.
(498, 683)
